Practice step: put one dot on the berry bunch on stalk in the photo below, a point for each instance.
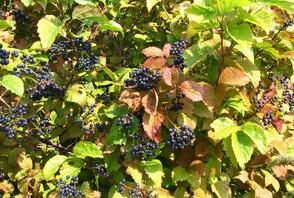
(74, 50)
(143, 79)
(177, 51)
(180, 138)
(134, 190)
(269, 102)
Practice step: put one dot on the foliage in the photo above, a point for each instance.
(146, 98)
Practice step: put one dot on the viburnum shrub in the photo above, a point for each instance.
(147, 98)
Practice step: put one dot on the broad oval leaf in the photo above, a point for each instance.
(52, 166)
(151, 3)
(152, 124)
(170, 76)
(77, 94)
(223, 127)
(241, 33)
(84, 11)
(242, 147)
(232, 76)
(154, 170)
(192, 90)
(154, 63)
(152, 52)
(87, 149)
(256, 134)
(150, 102)
(13, 84)
(48, 28)
(131, 98)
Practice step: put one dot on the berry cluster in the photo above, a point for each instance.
(177, 105)
(69, 190)
(143, 149)
(134, 190)
(102, 171)
(126, 121)
(180, 138)
(288, 23)
(105, 98)
(46, 87)
(268, 117)
(177, 50)
(76, 50)
(270, 101)
(20, 17)
(10, 121)
(4, 56)
(143, 79)
(87, 125)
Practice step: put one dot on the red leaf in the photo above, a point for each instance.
(233, 76)
(281, 172)
(170, 76)
(152, 52)
(278, 124)
(131, 98)
(152, 124)
(154, 63)
(150, 103)
(166, 50)
(192, 90)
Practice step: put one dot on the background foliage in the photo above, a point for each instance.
(208, 114)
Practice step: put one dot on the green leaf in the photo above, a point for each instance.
(4, 24)
(116, 111)
(85, 2)
(223, 127)
(135, 173)
(242, 147)
(262, 18)
(194, 54)
(85, 149)
(26, 2)
(221, 189)
(200, 13)
(105, 24)
(13, 84)
(227, 142)
(231, 4)
(116, 136)
(77, 94)
(247, 51)
(48, 28)
(251, 71)
(151, 3)
(71, 167)
(270, 180)
(154, 171)
(52, 166)
(179, 174)
(188, 120)
(84, 11)
(237, 104)
(256, 134)
(283, 4)
(241, 33)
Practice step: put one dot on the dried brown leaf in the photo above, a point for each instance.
(131, 98)
(154, 63)
(152, 52)
(150, 102)
(170, 75)
(152, 124)
(233, 77)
